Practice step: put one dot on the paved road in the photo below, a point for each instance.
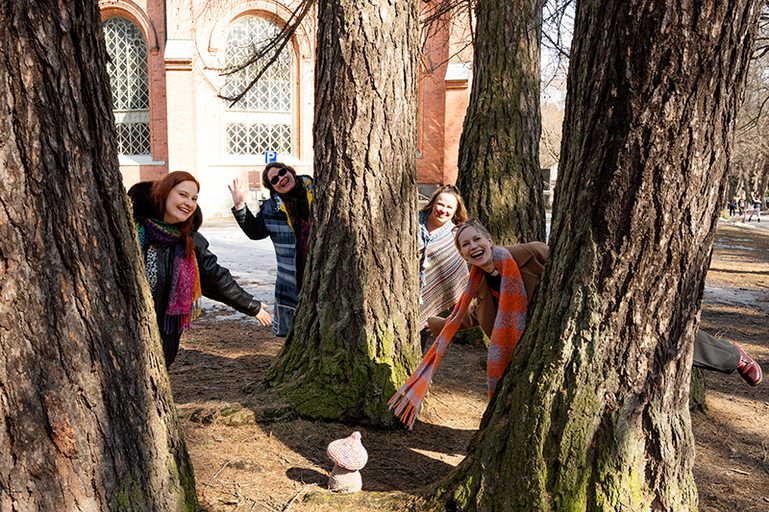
(753, 224)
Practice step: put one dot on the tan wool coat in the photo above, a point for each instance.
(482, 312)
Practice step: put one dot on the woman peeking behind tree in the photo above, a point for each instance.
(178, 264)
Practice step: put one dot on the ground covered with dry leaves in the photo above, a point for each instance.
(282, 465)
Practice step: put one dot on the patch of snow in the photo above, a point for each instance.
(738, 247)
(251, 262)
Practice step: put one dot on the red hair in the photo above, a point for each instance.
(160, 192)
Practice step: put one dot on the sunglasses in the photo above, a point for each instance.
(275, 179)
(470, 222)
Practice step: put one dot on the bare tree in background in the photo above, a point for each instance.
(557, 27)
(750, 164)
(457, 18)
(550, 141)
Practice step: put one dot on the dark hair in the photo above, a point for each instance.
(266, 182)
(160, 191)
(460, 215)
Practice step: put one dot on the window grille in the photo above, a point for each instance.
(261, 120)
(128, 77)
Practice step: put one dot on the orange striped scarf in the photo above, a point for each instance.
(508, 327)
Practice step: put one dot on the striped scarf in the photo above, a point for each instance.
(183, 304)
(508, 327)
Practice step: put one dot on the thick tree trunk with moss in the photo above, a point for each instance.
(499, 174)
(87, 421)
(592, 412)
(354, 336)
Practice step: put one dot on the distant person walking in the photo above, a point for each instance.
(755, 209)
(733, 206)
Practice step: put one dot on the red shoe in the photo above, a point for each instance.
(748, 368)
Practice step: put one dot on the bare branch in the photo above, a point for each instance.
(265, 53)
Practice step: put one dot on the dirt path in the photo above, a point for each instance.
(282, 465)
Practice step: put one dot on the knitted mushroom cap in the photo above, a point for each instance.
(349, 452)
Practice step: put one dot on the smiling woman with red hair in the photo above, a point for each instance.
(178, 264)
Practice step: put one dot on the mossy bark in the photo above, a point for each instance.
(592, 411)
(87, 421)
(354, 338)
(499, 174)
(697, 391)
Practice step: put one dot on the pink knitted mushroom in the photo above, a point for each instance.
(349, 457)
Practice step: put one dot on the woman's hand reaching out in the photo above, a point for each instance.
(263, 316)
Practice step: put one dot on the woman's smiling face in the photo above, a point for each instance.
(444, 209)
(285, 182)
(475, 249)
(181, 202)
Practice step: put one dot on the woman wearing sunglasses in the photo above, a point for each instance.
(502, 279)
(285, 218)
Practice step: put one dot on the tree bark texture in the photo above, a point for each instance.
(592, 412)
(87, 421)
(354, 336)
(698, 400)
(499, 174)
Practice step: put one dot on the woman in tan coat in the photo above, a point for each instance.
(497, 300)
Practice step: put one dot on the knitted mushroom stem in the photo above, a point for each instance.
(344, 480)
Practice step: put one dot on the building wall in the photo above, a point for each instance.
(187, 118)
(145, 14)
(432, 109)
(444, 94)
(457, 97)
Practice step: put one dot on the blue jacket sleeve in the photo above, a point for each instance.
(252, 225)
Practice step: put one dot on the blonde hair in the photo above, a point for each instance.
(471, 223)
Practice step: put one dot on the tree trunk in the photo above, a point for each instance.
(592, 412)
(762, 179)
(354, 336)
(698, 400)
(87, 421)
(499, 173)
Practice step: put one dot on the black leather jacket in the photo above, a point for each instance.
(216, 281)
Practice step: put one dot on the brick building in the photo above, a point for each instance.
(166, 62)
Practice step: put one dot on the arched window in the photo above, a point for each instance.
(128, 78)
(261, 121)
